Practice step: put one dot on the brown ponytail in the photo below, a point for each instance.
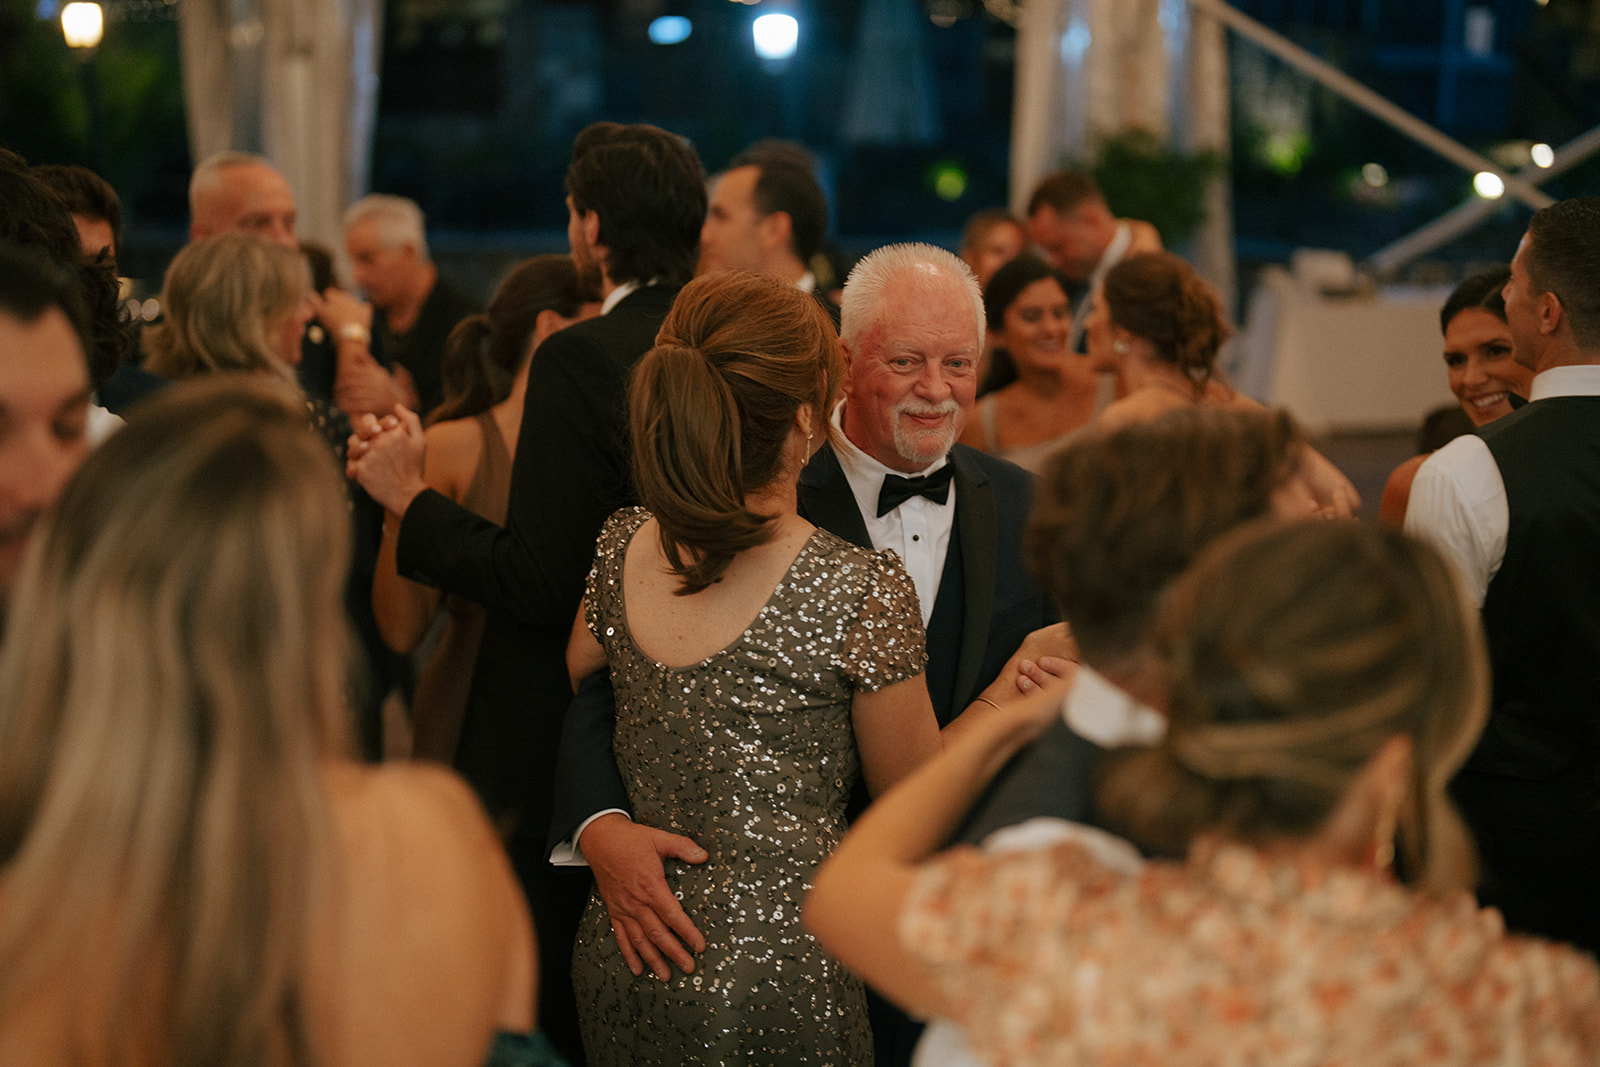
(1159, 297)
(484, 351)
(711, 408)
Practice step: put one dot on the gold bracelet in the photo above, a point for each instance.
(986, 700)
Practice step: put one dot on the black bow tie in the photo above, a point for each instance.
(897, 490)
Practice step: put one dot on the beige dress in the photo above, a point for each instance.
(1050, 957)
(440, 700)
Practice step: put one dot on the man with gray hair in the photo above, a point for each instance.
(240, 192)
(414, 309)
(912, 330)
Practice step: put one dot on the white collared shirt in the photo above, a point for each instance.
(1458, 500)
(918, 531)
(617, 295)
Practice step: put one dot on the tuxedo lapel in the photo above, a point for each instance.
(826, 499)
(979, 523)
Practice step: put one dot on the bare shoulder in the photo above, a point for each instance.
(1397, 491)
(417, 809)
(418, 858)
(1141, 405)
(455, 448)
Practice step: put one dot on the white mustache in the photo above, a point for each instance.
(926, 410)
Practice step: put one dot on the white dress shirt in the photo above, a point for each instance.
(918, 531)
(1458, 500)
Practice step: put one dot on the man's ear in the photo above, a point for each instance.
(590, 222)
(776, 230)
(845, 376)
(1550, 312)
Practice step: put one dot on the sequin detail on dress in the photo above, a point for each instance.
(750, 753)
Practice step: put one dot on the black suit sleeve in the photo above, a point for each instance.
(1053, 776)
(587, 780)
(569, 473)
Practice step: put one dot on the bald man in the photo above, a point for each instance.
(239, 192)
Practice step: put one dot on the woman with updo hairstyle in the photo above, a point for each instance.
(760, 666)
(1326, 680)
(1158, 326)
(232, 302)
(194, 868)
(1052, 390)
(471, 437)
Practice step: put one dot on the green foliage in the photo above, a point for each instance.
(44, 99)
(1145, 178)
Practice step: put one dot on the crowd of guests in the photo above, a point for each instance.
(959, 671)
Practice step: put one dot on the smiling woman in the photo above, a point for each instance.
(1484, 375)
(1030, 318)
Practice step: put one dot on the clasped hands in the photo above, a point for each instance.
(386, 456)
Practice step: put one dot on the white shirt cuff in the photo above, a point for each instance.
(568, 853)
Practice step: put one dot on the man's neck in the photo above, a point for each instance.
(788, 269)
(1566, 355)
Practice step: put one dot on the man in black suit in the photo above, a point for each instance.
(635, 199)
(913, 326)
(1517, 507)
(768, 215)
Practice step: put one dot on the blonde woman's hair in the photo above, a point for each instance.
(711, 408)
(1296, 649)
(222, 299)
(174, 678)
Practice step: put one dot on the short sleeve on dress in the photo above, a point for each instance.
(601, 596)
(886, 642)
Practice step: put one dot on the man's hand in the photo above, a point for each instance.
(386, 458)
(629, 870)
(337, 309)
(361, 386)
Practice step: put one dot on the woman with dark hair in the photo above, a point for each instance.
(1325, 681)
(760, 665)
(1029, 318)
(471, 438)
(1485, 377)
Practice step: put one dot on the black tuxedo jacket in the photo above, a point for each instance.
(569, 473)
(986, 605)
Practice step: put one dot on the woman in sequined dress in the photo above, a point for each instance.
(1326, 680)
(760, 666)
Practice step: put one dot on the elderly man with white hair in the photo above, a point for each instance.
(414, 309)
(894, 479)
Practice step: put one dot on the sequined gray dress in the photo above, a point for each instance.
(751, 753)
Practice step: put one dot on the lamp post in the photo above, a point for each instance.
(83, 26)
